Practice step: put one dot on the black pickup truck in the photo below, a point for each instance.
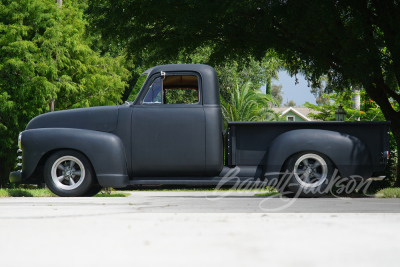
(157, 139)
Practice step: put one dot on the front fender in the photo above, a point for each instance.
(104, 150)
(350, 155)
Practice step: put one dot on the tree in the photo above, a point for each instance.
(276, 92)
(369, 110)
(232, 73)
(352, 41)
(46, 56)
(290, 103)
(247, 105)
(319, 89)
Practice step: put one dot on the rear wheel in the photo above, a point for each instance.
(309, 175)
(68, 173)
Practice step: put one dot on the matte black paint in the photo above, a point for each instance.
(104, 150)
(138, 143)
(170, 139)
(355, 147)
(103, 119)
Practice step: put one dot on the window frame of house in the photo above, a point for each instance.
(287, 118)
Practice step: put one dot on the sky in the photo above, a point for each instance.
(299, 93)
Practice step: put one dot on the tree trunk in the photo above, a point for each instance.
(395, 127)
(59, 4)
(51, 105)
(397, 183)
(390, 114)
(268, 86)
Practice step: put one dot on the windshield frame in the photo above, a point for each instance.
(141, 81)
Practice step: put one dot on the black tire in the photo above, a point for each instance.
(68, 173)
(308, 175)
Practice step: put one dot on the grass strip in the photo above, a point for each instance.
(388, 193)
(113, 194)
(266, 194)
(21, 192)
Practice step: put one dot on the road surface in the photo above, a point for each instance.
(192, 229)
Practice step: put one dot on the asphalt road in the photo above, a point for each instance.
(194, 229)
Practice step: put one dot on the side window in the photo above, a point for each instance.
(154, 95)
(174, 89)
(181, 89)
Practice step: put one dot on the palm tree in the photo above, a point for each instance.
(248, 105)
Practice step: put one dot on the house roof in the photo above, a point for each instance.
(300, 111)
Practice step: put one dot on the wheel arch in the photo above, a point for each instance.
(104, 151)
(39, 171)
(348, 153)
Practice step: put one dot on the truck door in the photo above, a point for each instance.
(168, 128)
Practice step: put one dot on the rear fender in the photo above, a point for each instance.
(349, 154)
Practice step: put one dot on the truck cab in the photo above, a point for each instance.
(180, 121)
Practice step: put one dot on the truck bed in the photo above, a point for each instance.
(247, 143)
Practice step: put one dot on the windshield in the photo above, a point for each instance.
(137, 87)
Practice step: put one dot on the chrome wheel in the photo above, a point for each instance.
(310, 170)
(67, 173)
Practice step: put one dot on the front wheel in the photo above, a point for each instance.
(68, 173)
(309, 175)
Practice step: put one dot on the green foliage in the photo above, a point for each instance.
(45, 57)
(388, 193)
(369, 110)
(247, 105)
(233, 73)
(136, 89)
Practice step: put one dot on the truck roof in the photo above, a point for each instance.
(209, 79)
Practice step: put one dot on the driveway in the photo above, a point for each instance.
(187, 229)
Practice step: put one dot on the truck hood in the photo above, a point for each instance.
(102, 119)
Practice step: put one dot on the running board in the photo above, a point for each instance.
(193, 182)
